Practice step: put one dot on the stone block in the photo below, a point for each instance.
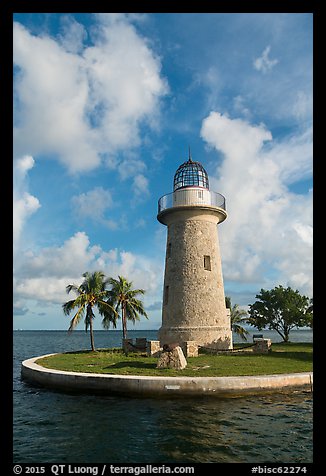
(153, 348)
(190, 348)
(173, 359)
(262, 346)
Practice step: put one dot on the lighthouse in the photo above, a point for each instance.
(193, 291)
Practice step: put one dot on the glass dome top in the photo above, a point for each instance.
(190, 174)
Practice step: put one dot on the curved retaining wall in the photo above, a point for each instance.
(150, 385)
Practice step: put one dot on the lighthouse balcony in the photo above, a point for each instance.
(191, 196)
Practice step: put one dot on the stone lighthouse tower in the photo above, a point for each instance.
(193, 295)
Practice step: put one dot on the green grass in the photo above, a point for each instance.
(284, 358)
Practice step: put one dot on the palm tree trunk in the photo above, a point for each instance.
(91, 331)
(124, 321)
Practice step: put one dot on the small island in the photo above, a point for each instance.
(283, 358)
(233, 373)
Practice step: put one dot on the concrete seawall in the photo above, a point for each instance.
(160, 386)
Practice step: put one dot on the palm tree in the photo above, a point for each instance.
(91, 293)
(123, 296)
(237, 318)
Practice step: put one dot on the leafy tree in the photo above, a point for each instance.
(310, 310)
(122, 297)
(91, 293)
(238, 317)
(280, 309)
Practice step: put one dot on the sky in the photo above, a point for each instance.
(105, 108)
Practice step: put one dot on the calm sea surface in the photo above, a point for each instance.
(53, 427)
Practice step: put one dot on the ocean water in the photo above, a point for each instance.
(57, 427)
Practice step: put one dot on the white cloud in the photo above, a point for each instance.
(268, 226)
(73, 34)
(240, 107)
(125, 79)
(70, 259)
(52, 91)
(263, 63)
(112, 18)
(130, 167)
(83, 103)
(305, 232)
(24, 204)
(210, 80)
(43, 276)
(140, 186)
(302, 105)
(234, 137)
(93, 205)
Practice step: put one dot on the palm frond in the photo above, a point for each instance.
(72, 287)
(109, 313)
(75, 320)
(121, 295)
(237, 316)
(135, 308)
(228, 302)
(68, 306)
(107, 321)
(240, 331)
(106, 307)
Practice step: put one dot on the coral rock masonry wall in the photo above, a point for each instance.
(193, 296)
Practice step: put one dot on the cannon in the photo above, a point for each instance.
(170, 347)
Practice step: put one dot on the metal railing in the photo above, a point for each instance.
(186, 197)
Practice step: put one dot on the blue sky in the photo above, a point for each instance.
(105, 107)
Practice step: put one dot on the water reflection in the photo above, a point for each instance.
(256, 429)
